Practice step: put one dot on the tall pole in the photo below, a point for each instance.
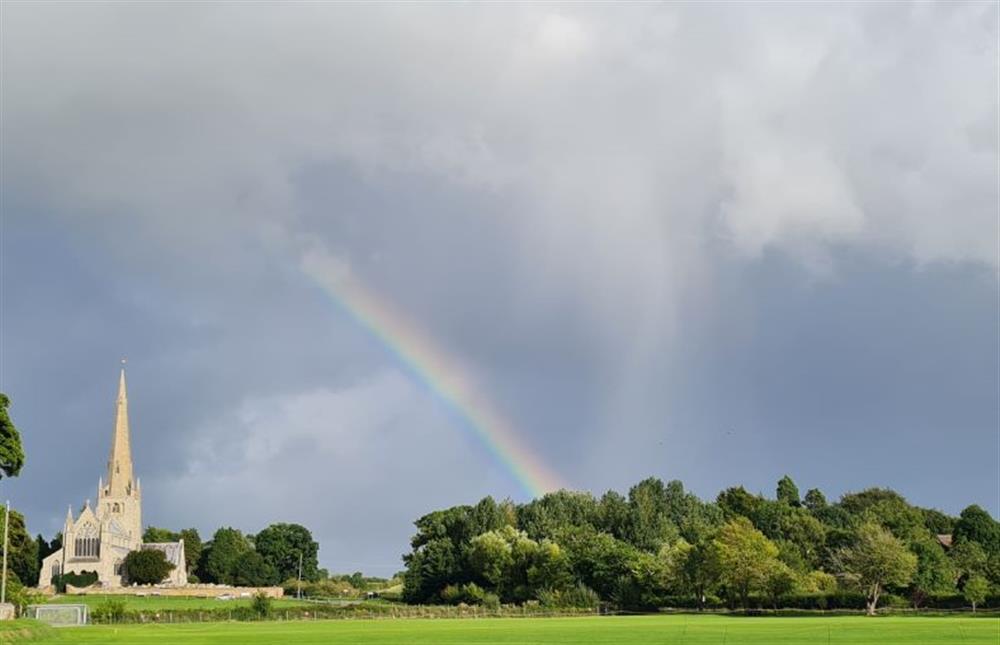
(6, 528)
(298, 590)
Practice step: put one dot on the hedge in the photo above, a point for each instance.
(840, 600)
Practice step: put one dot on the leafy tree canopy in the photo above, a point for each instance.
(788, 492)
(11, 452)
(192, 548)
(251, 569)
(148, 566)
(660, 540)
(745, 558)
(976, 525)
(281, 545)
(155, 534)
(23, 559)
(226, 546)
(876, 560)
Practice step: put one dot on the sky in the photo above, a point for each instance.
(719, 243)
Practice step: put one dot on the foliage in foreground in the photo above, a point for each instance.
(661, 545)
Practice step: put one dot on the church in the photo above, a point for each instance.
(102, 535)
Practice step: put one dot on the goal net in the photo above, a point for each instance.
(59, 615)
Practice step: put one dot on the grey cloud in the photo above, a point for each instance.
(608, 213)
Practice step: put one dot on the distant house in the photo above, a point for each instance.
(944, 539)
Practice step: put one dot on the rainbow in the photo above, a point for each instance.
(432, 367)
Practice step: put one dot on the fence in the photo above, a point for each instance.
(361, 611)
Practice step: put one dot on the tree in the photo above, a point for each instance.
(745, 558)
(148, 566)
(23, 558)
(613, 514)
(937, 522)
(598, 560)
(550, 568)
(251, 569)
(794, 526)
(490, 557)
(935, 571)
(976, 525)
(876, 560)
(429, 568)
(690, 569)
(192, 548)
(154, 534)
(814, 499)
(788, 492)
(888, 508)
(226, 546)
(649, 524)
(283, 545)
(780, 581)
(736, 502)
(543, 517)
(975, 591)
(969, 559)
(11, 452)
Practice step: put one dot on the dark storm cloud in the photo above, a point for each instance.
(640, 227)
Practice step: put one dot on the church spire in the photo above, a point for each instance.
(119, 481)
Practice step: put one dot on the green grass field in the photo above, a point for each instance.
(634, 630)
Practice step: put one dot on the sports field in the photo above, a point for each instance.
(637, 630)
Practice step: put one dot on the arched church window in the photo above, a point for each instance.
(87, 543)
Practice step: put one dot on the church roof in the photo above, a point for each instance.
(173, 551)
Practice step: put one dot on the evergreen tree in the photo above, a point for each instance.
(11, 452)
(220, 556)
(814, 499)
(192, 548)
(788, 492)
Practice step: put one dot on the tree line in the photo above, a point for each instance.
(244, 560)
(661, 545)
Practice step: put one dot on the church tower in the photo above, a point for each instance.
(119, 497)
(103, 535)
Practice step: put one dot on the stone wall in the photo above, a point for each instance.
(190, 591)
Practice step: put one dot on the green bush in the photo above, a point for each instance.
(111, 610)
(261, 605)
(321, 589)
(82, 579)
(469, 594)
(580, 596)
(19, 595)
(490, 601)
(452, 595)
